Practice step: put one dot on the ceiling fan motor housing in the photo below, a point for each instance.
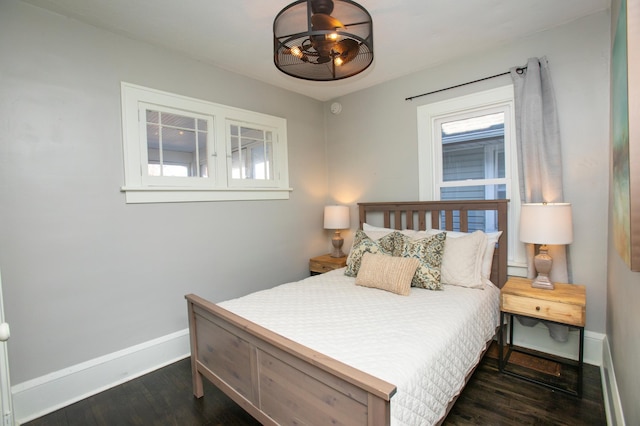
(322, 6)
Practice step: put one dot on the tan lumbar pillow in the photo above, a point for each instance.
(386, 272)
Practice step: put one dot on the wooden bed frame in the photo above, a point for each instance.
(279, 381)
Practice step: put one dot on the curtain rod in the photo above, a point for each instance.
(518, 70)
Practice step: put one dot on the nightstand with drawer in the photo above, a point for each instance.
(326, 263)
(564, 305)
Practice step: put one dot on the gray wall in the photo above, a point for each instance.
(373, 149)
(623, 315)
(85, 274)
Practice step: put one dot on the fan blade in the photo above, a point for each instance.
(323, 43)
(322, 21)
(347, 50)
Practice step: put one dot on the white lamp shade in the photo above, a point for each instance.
(546, 223)
(336, 217)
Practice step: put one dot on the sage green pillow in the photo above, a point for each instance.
(429, 252)
(363, 244)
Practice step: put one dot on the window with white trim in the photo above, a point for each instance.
(467, 151)
(178, 149)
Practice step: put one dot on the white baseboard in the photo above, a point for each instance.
(612, 403)
(43, 395)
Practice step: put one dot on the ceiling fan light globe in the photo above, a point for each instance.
(297, 52)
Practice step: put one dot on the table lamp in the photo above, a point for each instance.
(545, 224)
(336, 218)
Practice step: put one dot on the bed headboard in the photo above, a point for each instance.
(423, 215)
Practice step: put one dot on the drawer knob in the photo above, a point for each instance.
(537, 308)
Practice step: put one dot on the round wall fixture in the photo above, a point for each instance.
(336, 108)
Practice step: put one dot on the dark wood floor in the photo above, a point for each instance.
(492, 398)
(164, 398)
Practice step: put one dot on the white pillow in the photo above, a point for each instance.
(462, 260)
(367, 227)
(376, 232)
(375, 235)
(492, 240)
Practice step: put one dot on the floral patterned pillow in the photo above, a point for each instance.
(363, 244)
(429, 252)
(399, 241)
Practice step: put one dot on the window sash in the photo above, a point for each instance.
(240, 156)
(436, 134)
(431, 181)
(195, 164)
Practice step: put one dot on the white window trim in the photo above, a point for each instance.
(430, 169)
(139, 188)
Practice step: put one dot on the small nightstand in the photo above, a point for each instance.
(564, 305)
(326, 263)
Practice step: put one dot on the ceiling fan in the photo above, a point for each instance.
(323, 40)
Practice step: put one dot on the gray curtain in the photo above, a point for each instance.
(539, 159)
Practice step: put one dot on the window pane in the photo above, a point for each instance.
(476, 192)
(269, 158)
(484, 221)
(251, 153)
(473, 124)
(168, 170)
(152, 116)
(463, 193)
(237, 166)
(176, 120)
(462, 161)
(153, 136)
(202, 152)
(473, 148)
(174, 146)
(258, 162)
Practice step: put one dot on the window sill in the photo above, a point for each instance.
(517, 269)
(136, 195)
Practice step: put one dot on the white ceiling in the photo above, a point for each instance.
(409, 35)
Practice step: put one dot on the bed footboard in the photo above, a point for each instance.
(276, 380)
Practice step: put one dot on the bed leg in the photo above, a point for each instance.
(198, 390)
(196, 377)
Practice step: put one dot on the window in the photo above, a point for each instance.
(467, 151)
(251, 153)
(184, 149)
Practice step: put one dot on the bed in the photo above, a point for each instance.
(341, 353)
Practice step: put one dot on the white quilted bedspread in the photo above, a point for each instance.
(424, 343)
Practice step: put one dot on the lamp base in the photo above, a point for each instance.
(542, 281)
(337, 242)
(543, 263)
